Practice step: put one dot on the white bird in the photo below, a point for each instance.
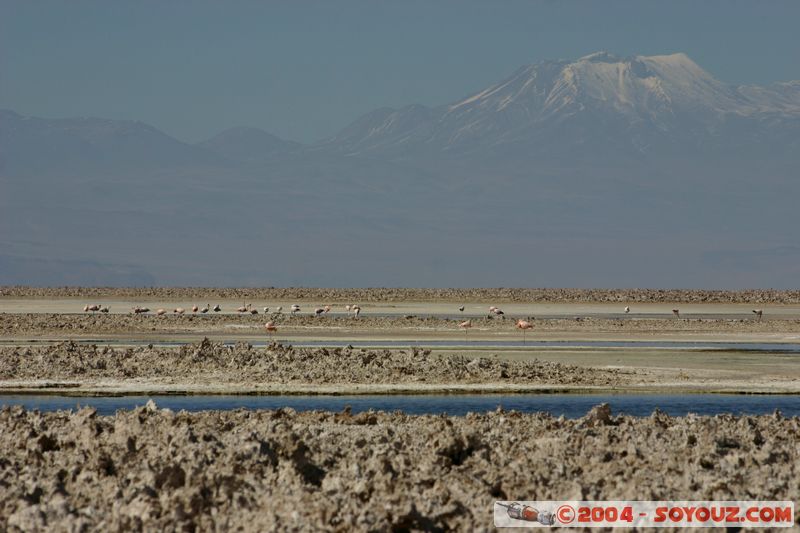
(347, 307)
(295, 308)
(759, 313)
(279, 309)
(356, 311)
(243, 308)
(266, 310)
(179, 310)
(161, 312)
(627, 309)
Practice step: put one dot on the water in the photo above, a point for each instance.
(569, 405)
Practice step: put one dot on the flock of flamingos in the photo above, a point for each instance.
(355, 309)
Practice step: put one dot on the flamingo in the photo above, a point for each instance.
(195, 308)
(136, 310)
(327, 309)
(92, 308)
(466, 325)
(295, 308)
(254, 311)
(161, 312)
(179, 310)
(347, 308)
(627, 309)
(318, 311)
(759, 313)
(524, 325)
(105, 309)
(676, 312)
(205, 309)
(243, 308)
(217, 308)
(356, 311)
(499, 312)
(271, 328)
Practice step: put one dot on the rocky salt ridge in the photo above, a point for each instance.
(490, 295)
(208, 361)
(156, 470)
(15, 324)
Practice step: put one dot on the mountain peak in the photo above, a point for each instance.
(601, 56)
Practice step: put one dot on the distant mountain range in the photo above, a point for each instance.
(603, 171)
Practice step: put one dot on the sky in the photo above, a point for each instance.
(305, 69)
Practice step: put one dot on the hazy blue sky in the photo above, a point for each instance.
(304, 69)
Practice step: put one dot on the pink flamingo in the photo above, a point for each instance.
(271, 328)
(524, 325)
(466, 325)
(195, 308)
(161, 312)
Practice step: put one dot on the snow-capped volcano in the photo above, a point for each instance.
(637, 100)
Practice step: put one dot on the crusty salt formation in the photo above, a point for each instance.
(243, 363)
(151, 469)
